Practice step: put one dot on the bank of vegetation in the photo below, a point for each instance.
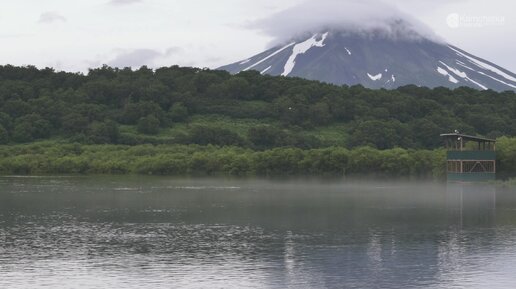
(55, 158)
(50, 157)
(177, 120)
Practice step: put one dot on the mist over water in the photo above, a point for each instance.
(157, 232)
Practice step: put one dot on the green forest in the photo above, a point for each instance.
(175, 120)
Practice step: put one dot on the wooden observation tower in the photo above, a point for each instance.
(470, 158)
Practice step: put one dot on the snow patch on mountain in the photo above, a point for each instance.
(391, 80)
(302, 48)
(270, 56)
(503, 82)
(347, 50)
(484, 74)
(454, 70)
(375, 77)
(463, 75)
(496, 79)
(266, 69)
(484, 65)
(446, 73)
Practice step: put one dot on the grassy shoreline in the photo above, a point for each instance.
(63, 157)
(51, 157)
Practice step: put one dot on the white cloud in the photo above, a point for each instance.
(124, 2)
(174, 50)
(357, 16)
(135, 58)
(50, 17)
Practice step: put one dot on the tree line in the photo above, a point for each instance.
(92, 108)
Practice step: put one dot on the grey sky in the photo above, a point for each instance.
(75, 35)
(51, 16)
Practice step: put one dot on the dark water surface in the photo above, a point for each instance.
(150, 232)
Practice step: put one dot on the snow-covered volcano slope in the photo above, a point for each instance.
(377, 62)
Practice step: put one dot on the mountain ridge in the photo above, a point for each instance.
(377, 61)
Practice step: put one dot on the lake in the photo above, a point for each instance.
(159, 232)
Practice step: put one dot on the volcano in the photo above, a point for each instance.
(376, 61)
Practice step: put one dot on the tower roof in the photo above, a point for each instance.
(467, 137)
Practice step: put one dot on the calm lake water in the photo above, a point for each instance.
(150, 232)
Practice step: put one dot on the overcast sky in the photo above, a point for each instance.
(75, 35)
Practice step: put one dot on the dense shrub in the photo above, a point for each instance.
(178, 112)
(4, 136)
(148, 125)
(204, 135)
(103, 132)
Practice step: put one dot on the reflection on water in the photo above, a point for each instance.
(473, 204)
(147, 232)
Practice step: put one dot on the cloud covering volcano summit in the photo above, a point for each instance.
(365, 17)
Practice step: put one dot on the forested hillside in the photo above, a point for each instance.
(174, 105)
